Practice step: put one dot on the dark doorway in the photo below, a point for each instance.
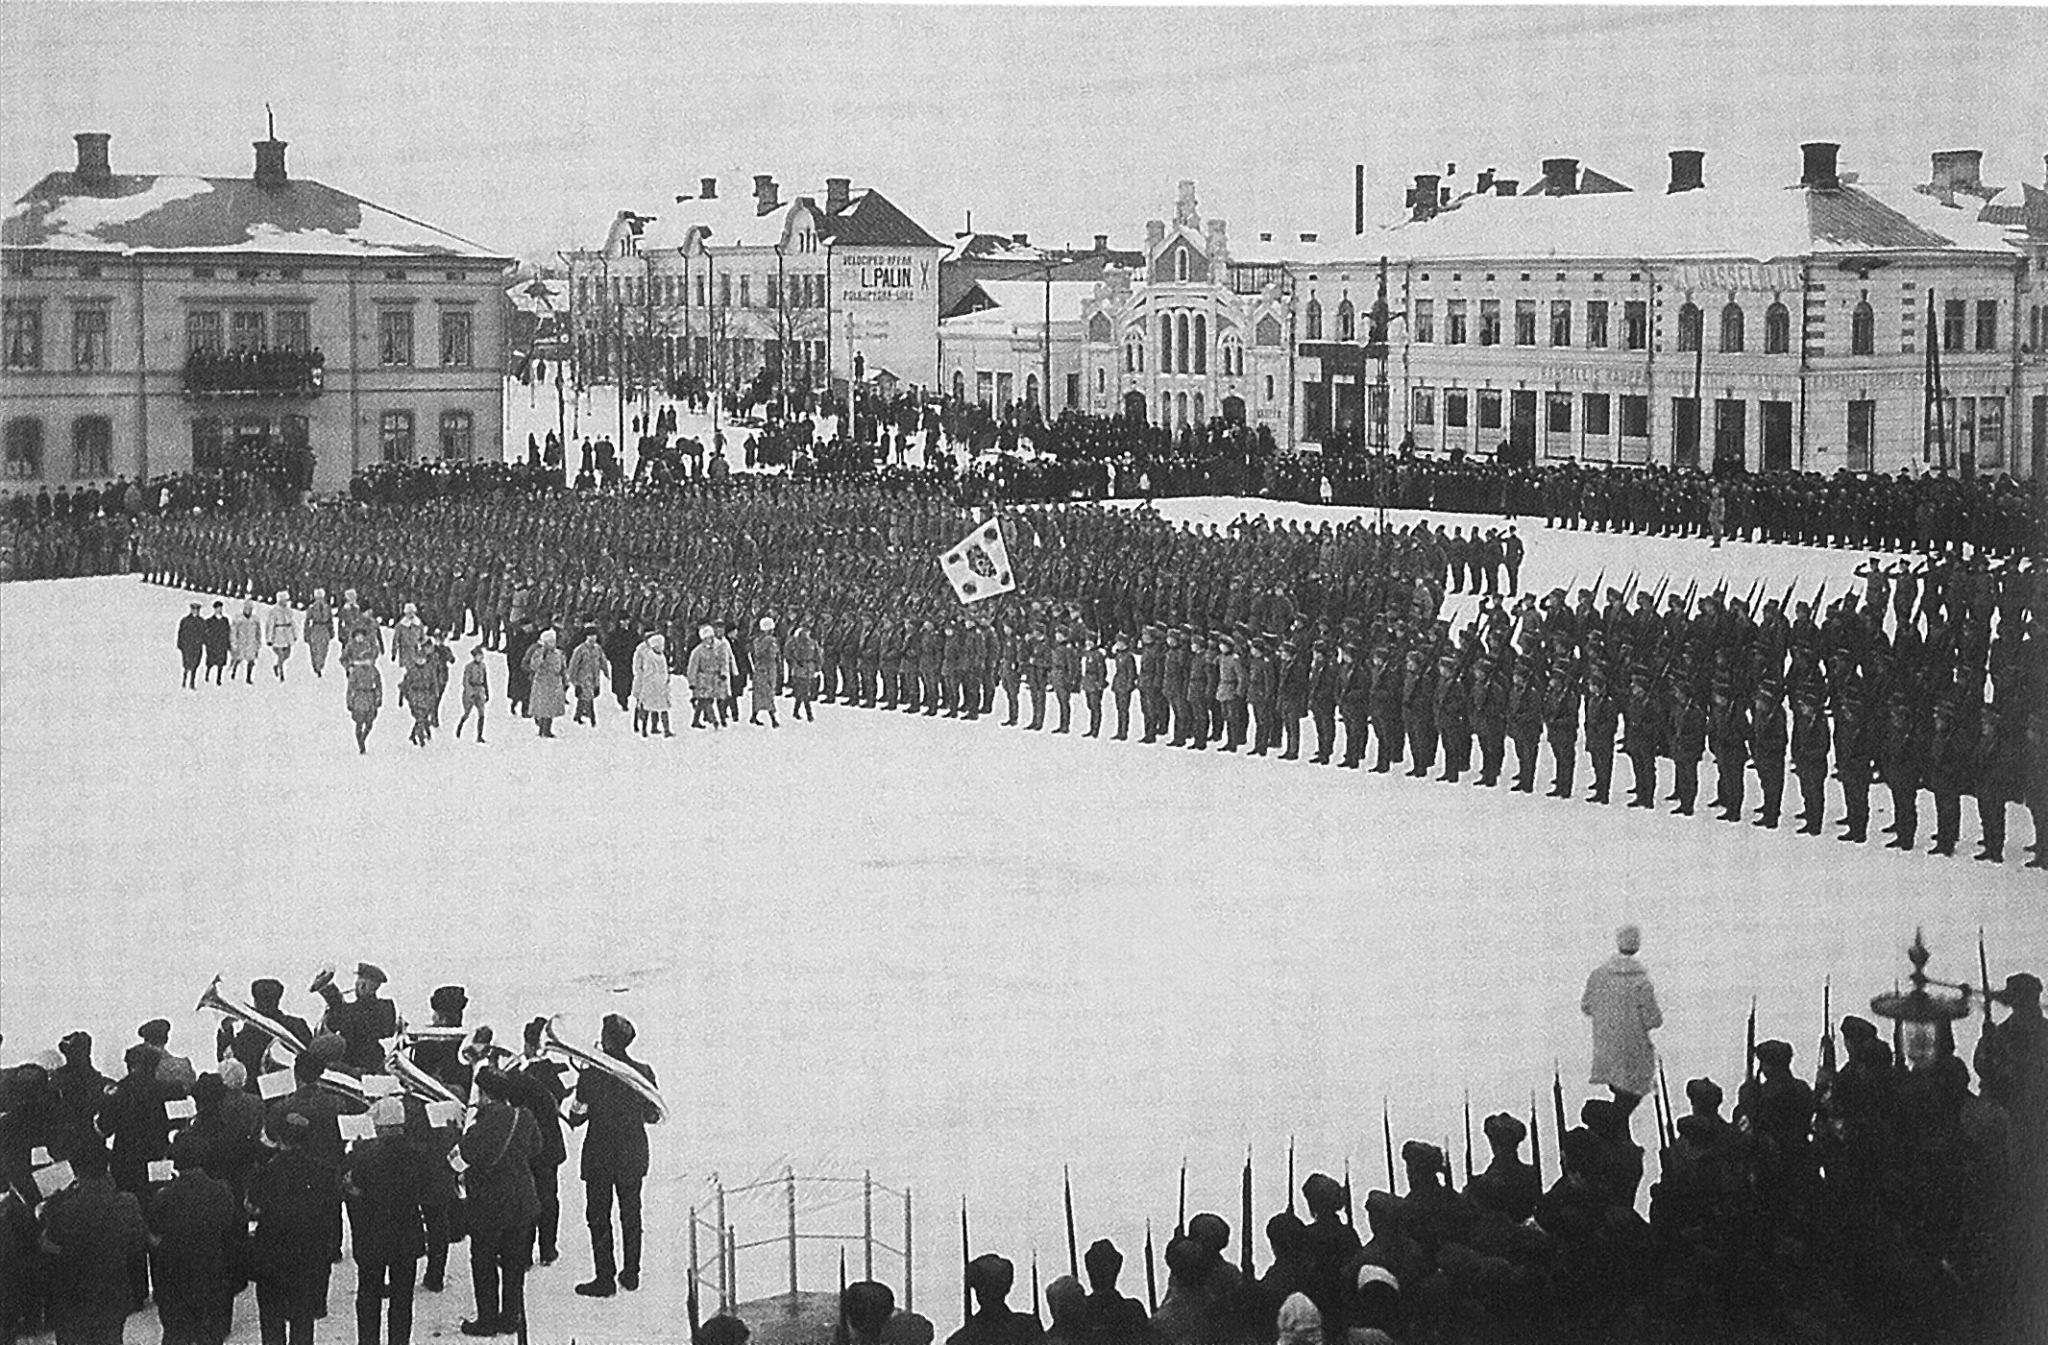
(1522, 427)
(1777, 426)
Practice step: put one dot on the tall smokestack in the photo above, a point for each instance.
(1358, 199)
(1688, 168)
(92, 170)
(1817, 164)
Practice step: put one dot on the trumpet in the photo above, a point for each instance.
(552, 1043)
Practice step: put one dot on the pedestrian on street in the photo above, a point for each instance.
(1622, 1005)
(281, 628)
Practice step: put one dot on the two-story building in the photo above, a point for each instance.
(157, 322)
(719, 290)
(1762, 320)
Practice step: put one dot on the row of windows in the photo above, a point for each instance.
(1183, 343)
(1481, 408)
(1955, 325)
(803, 289)
(210, 331)
(21, 339)
(396, 443)
(395, 338)
(92, 448)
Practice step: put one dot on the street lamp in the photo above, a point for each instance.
(1921, 1015)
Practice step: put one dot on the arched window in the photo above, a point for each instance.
(1180, 264)
(1863, 330)
(1689, 327)
(24, 460)
(1181, 408)
(959, 386)
(1777, 330)
(1347, 322)
(1101, 379)
(1031, 390)
(1130, 361)
(1315, 319)
(1268, 331)
(1098, 330)
(1201, 343)
(1166, 343)
(1731, 329)
(1233, 357)
(1180, 328)
(92, 447)
(1200, 417)
(1269, 387)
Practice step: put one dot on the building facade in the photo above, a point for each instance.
(727, 293)
(158, 323)
(1763, 324)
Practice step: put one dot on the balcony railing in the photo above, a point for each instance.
(263, 372)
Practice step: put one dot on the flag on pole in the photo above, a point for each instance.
(979, 566)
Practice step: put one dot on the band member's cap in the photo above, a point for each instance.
(370, 971)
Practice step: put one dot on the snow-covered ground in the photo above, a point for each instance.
(953, 954)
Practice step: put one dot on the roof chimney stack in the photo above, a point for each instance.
(838, 191)
(707, 189)
(1818, 165)
(764, 193)
(1560, 177)
(92, 168)
(1102, 242)
(1958, 170)
(1021, 240)
(1506, 186)
(270, 163)
(1688, 170)
(1485, 182)
(1422, 197)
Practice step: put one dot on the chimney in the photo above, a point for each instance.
(270, 163)
(1687, 170)
(1102, 242)
(1443, 197)
(1358, 200)
(1506, 186)
(1485, 182)
(1818, 165)
(1422, 198)
(1560, 177)
(1155, 234)
(707, 189)
(764, 193)
(1021, 240)
(1958, 170)
(92, 168)
(838, 191)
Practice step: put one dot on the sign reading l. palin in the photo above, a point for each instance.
(885, 277)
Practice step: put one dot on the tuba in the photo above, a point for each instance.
(552, 1043)
(338, 1082)
(415, 1080)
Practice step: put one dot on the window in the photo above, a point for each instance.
(1424, 326)
(1180, 333)
(245, 329)
(1635, 416)
(701, 291)
(1635, 324)
(746, 296)
(1863, 330)
(725, 290)
(293, 329)
(1595, 408)
(394, 434)
(1862, 434)
(24, 337)
(1731, 329)
(394, 337)
(1180, 264)
(1267, 333)
(1557, 407)
(92, 447)
(1347, 321)
(1101, 380)
(1099, 330)
(1987, 324)
(1489, 408)
(1489, 322)
(1689, 327)
(1269, 387)
(1201, 343)
(1525, 322)
(1425, 406)
(1315, 319)
(1990, 432)
(1777, 330)
(1073, 389)
(202, 333)
(456, 326)
(1457, 409)
(583, 292)
(1953, 312)
(1454, 322)
(89, 336)
(1560, 322)
(458, 435)
(1596, 324)
(24, 449)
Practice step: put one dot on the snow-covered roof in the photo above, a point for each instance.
(1013, 305)
(149, 213)
(1742, 220)
(868, 219)
(992, 247)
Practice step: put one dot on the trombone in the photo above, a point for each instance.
(339, 1082)
(551, 1042)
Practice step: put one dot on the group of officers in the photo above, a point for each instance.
(185, 1187)
(1929, 680)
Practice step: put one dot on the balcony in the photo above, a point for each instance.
(261, 373)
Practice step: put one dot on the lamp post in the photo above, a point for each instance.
(1924, 1012)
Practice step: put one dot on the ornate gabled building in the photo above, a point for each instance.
(1184, 339)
